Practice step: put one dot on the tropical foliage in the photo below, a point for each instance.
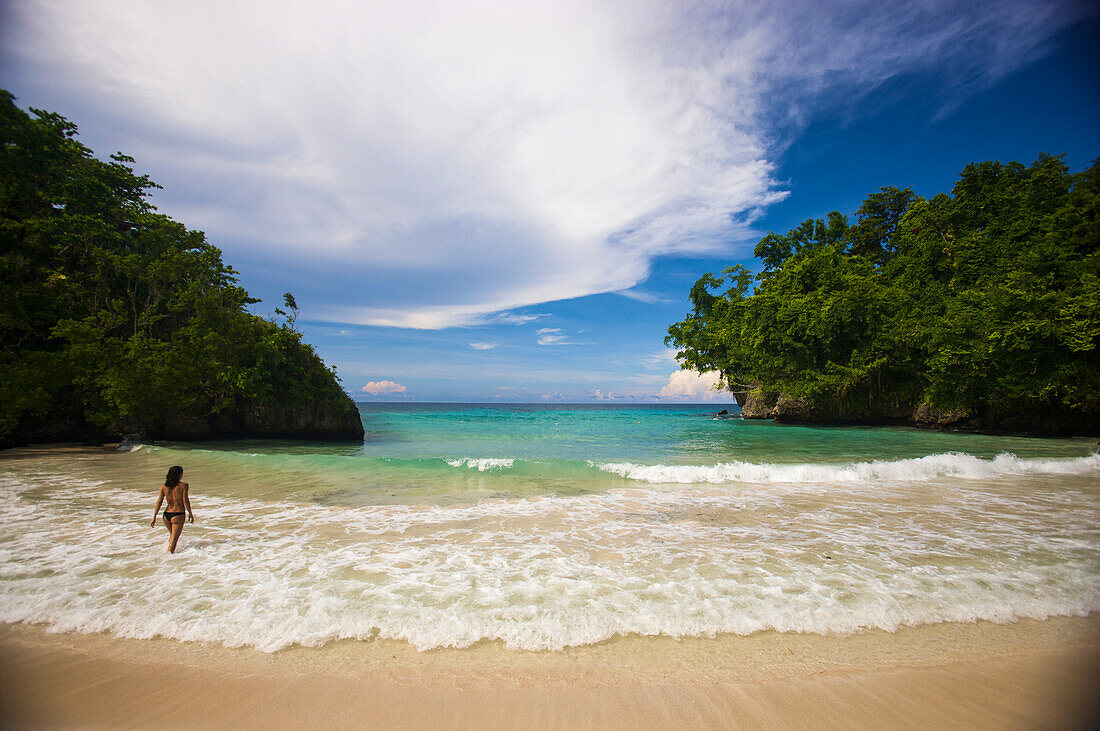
(116, 318)
(984, 303)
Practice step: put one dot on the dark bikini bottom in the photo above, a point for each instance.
(168, 516)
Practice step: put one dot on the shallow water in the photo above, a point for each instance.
(546, 528)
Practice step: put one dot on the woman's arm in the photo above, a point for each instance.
(187, 502)
(160, 499)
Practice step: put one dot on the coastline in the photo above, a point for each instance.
(981, 675)
(783, 410)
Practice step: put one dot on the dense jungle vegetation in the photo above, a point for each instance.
(976, 309)
(114, 318)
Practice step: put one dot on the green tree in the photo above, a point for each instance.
(115, 318)
(982, 304)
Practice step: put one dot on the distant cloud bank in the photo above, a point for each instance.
(689, 385)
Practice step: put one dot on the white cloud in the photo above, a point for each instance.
(487, 155)
(692, 386)
(660, 359)
(648, 298)
(483, 346)
(423, 317)
(512, 318)
(552, 336)
(375, 388)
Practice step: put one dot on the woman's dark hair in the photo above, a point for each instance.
(174, 475)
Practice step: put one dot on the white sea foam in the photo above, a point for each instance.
(482, 464)
(551, 572)
(935, 466)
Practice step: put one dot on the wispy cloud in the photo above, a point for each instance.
(514, 318)
(483, 346)
(660, 359)
(421, 317)
(434, 163)
(552, 336)
(647, 297)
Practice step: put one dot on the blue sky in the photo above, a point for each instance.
(478, 201)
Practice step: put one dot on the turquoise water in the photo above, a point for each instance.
(464, 451)
(659, 435)
(545, 527)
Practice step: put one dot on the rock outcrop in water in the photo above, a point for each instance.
(331, 416)
(327, 416)
(761, 403)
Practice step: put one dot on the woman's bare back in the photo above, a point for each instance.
(174, 497)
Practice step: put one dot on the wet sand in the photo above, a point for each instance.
(1024, 675)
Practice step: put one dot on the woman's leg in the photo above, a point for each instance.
(177, 528)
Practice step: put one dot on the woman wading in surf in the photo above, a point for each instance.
(175, 492)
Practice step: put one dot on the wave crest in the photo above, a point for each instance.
(950, 464)
(484, 463)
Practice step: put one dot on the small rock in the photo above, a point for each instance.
(133, 440)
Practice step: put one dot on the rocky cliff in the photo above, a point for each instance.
(331, 416)
(763, 403)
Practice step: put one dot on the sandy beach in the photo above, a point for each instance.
(1023, 675)
(854, 584)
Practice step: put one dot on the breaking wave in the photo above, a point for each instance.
(483, 463)
(935, 466)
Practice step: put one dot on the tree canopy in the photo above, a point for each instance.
(984, 303)
(116, 318)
